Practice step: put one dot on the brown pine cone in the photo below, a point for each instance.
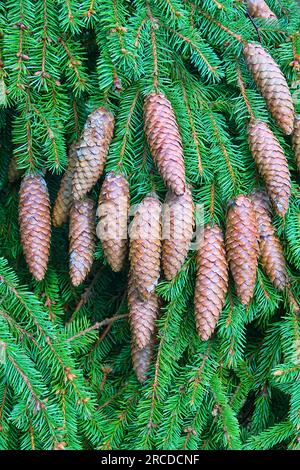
(211, 281)
(14, 174)
(113, 213)
(272, 257)
(141, 360)
(242, 246)
(271, 163)
(272, 85)
(145, 246)
(259, 9)
(296, 140)
(35, 224)
(164, 141)
(92, 151)
(178, 223)
(82, 239)
(64, 197)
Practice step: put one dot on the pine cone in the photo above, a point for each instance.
(242, 246)
(142, 315)
(259, 9)
(178, 223)
(272, 85)
(141, 359)
(296, 140)
(113, 213)
(64, 197)
(92, 151)
(82, 239)
(35, 224)
(272, 257)
(14, 174)
(271, 163)
(145, 246)
(164, 141)
(211, 281)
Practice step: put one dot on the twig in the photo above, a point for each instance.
(97, 325)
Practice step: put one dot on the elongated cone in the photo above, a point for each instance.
(145, 246)
(296, 140)
(271, 163)
(92, 151)
(64, 197)
(113, 211)
(271, 252)
(81, 239)
(242, 246)
(35, 224)
(259, 9)
(142, 315)
(178, 223)
(14, 174)
(164, 141)
(211, 281)
(272, 85)
(141, 359)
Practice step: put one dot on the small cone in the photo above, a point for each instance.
(141, 359)
(242, 246)
(164, 141)
(259, 9)
(64, 197)
(271, 163)
(35, 224)
(145, 246)
(272, 85)
(14, 174)
(272, 257)
(92, 151)
(296, 140)
(82, 239)
(211, 281)
(113, 213)
(178, 223)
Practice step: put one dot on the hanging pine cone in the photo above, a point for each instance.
(272, 85)
(259, 9)
(35, 224)
(178, 223)
(242, 246)
(64, 197)
(164, 141)
(82, 239)
(113, 213)
(92, 151)
(296, 140)
(272, 257)
(211, 281)
(145, 246)
(271, 163)
(14, 174)
(141, 359)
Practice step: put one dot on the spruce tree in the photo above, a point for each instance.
(194, 90)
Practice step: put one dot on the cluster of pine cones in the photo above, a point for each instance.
(160, 236)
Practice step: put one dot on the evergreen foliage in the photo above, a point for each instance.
(66, 377)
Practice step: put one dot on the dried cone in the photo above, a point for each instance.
(178, 223)
(35, 224)
(145, 246)
(113, 213)
(141, 359)
(271, 163)
(272, 85)
(64, 197)
(82, 239)
(272, 257)
(296, 140)
(164, 141)
(211, 281)
(14, 174)
(242, 246)
(259, 9)
(92, 151)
